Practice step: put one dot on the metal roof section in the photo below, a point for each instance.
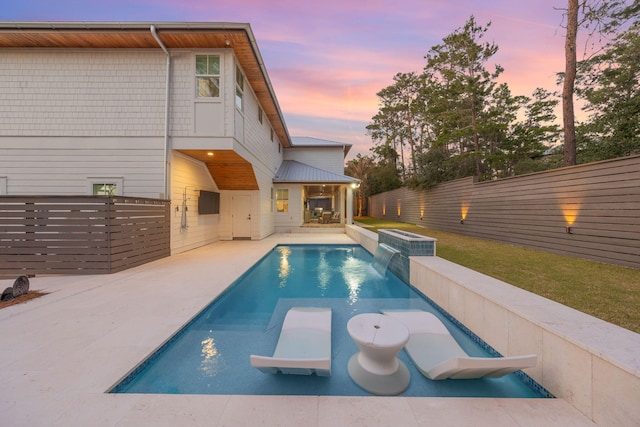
(138, 35)
(291, 171)
(306, 141)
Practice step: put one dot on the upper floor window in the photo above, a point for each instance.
(208, 76)
(260, 114)
(239, 88)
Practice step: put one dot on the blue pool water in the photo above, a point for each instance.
(210, 355)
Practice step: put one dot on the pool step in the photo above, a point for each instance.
(241, 322)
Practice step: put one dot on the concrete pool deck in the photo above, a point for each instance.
(61, 352)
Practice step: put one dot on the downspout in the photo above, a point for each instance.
(167, 151)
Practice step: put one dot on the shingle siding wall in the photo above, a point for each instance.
(71, 114)
(81, 93)
(182, 93)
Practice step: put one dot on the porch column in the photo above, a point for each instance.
(349, 215)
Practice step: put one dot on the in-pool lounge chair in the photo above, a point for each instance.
(304, 346)
(438, 356)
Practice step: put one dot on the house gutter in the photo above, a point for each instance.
(167, 151)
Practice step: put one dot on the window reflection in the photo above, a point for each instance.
(285, 267)
(324, 271)
(212, 361)
(354, 273)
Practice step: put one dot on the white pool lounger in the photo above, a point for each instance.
(438, 356)
(304, 345)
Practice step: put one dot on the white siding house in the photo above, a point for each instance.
(164, 111)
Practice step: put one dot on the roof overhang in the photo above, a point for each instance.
(294, 172)
(137, 35)
(229, 170)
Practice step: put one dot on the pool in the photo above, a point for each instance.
(210, 354)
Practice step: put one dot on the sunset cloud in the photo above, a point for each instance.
(327, 60)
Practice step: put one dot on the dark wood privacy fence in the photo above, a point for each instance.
(590, 211)
(80, 235)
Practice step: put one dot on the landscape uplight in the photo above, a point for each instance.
(570, 212)
(464, 210)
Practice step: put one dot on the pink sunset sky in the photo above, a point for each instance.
(327, 59)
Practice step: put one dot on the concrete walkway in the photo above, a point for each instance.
(59, 354)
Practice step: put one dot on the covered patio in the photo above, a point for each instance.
(325, 197)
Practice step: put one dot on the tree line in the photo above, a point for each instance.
(454, 119)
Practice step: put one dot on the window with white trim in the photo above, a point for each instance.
(105, 186)
(208, 76)
(282, 200)
(239, 89)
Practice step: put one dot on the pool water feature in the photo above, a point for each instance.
(382, 257)
(407, 245)
(210, 354)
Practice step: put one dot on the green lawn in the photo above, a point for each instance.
(605, 291)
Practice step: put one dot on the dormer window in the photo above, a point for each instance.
(208, 76)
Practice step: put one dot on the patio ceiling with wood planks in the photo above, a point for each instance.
(228, 169)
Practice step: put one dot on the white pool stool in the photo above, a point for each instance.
(376, 367)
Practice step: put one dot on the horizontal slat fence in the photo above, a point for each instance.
(600, 202)
(80, 234)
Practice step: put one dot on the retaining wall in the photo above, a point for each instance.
(590, 363)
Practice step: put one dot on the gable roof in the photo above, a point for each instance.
(306, 141)
(291, 171)
(137, 35)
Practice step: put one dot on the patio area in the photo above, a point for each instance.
(61, 352)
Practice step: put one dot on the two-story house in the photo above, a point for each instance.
(179, 111)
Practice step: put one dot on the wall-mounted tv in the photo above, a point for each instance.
(208, 203)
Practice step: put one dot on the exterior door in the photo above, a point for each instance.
(241, 217)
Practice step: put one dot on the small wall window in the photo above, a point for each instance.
(282, 200)
(260, 115)
(272, 134)
(208, 76)
(105, 186)
(105, 189)
(239, 89)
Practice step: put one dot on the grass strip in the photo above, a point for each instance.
(608, 292)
